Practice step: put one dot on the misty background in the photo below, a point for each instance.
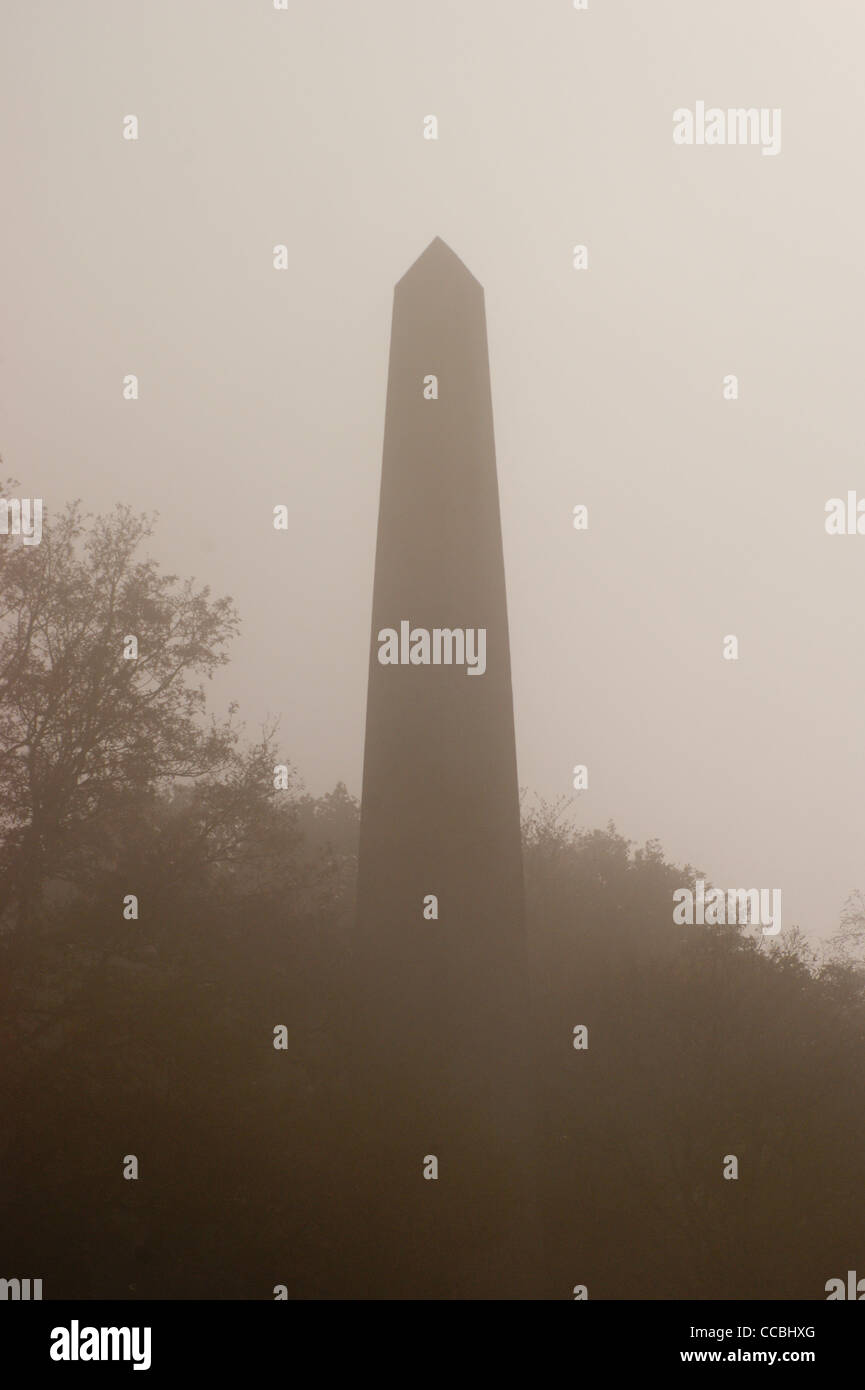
(260, 387)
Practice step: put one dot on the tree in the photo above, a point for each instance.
(86, 726)
(847, 945)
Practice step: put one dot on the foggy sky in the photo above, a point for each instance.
(259, 387)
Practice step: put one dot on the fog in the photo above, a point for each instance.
(260, 386)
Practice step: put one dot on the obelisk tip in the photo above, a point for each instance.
(438, 256)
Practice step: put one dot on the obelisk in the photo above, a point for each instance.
(441, 952)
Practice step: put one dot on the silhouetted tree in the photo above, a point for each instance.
(82, 729)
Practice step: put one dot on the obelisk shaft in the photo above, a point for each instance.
(441, 935)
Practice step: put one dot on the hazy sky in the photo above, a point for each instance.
(259, 386)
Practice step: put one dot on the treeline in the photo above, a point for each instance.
(154, 1038)
(704, 1042)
